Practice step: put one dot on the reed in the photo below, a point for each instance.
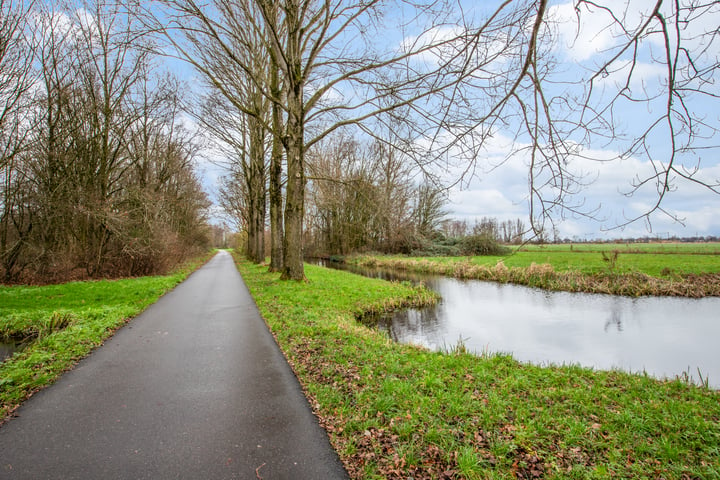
(544, 275)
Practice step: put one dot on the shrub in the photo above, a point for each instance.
(482, 245)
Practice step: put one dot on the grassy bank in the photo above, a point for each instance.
(60, 324)
(688, 271)
(692, 248)
(398, 411)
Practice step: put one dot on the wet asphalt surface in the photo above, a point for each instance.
(194, 388)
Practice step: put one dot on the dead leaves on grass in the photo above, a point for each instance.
(379, 447)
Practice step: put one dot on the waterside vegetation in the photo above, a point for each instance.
(632, 270)
(400, 411)
(57, 325)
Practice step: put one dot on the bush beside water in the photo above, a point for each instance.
(466, 246)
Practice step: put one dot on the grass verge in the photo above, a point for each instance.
(61, 324)
(399, 411)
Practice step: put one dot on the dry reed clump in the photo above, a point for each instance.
(635, 285)
(543, 270)
(705, 285)
(501, 272)
(426, 266)
(542, 276)
(368, 261)
(463, 269)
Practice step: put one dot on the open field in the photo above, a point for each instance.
(399, 411)
(655, 259)
(61, 324)
(650, 259)
(651, 247)
(634, 269)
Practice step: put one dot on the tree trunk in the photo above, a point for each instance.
(260, 190)
(276, 221)
(257, 193)
(295, 78)
(293, 268)
(250, 240)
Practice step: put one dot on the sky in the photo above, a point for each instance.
(502, 193)
(499, 187)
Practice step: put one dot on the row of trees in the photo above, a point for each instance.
(366, 197)
(283, 75)
(96, 170)
(507, 231)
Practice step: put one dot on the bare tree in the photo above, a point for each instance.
(17, 49)
(232, 199)
(360, 196)
(675, 38)
(107, 178)
(162, 203)
(342, 196)
(394, 175)
(458, 79)
(240, 116)
(429, 209)
(321, 48)
(276, 162)
(93, 60)
(656, 63)
(242, 139)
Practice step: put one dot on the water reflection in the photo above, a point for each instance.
(615, 319)
(6, 350)
(662, 336)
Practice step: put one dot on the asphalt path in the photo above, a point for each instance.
(194, 388)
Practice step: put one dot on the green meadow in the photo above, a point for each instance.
(652, 259)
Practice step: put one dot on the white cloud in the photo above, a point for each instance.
(637, 76)
(591, 33)
(474, 203)
(578, 37)
(433, 36)
(502, 192)
(586, 32)
(455, 43)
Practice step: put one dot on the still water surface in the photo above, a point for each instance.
(663, 336)
(7, 349)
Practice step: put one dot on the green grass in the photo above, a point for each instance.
(654, 259)
(60, 324)
(653, 264)
(649, 247)
(691, 270)
(398, 411)
(651, 259)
